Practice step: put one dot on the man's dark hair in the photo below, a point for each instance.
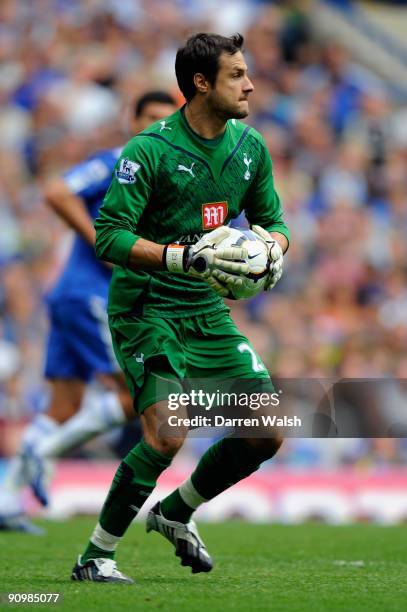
(201, 54)
(162, 97)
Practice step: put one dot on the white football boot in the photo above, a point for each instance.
(99, 570)
(185, 537)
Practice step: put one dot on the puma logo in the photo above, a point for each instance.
(182, 168)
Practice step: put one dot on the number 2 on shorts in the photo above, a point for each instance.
(257, 365)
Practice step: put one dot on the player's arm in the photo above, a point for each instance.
(70, 207)
(262, 203)
(117, 239)
(67, 195)
(264, 213)
(124, 203)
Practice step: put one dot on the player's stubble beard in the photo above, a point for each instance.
(224, 109)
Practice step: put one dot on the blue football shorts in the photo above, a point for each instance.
(79, 342)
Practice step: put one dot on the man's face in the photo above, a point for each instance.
(229, 96)
(152, 112)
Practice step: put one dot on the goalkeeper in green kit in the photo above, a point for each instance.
(175, 188)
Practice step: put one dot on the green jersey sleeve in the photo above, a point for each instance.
(125, 201)
(262, 203)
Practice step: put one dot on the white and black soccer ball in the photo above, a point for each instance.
(254, 280)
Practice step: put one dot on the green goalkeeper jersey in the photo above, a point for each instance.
(171, 186)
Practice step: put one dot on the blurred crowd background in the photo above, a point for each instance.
(337, 133)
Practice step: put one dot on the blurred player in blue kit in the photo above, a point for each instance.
(79, 348)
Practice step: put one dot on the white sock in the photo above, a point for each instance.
(16, 478)
(103, 539)
(40, 427)
(190, 495)
(100, 411)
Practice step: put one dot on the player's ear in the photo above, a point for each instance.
(200, 83)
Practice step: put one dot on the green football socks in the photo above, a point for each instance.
(132, 484)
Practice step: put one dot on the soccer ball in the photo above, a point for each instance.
(254, 280)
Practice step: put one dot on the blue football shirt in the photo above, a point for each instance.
(83, 274)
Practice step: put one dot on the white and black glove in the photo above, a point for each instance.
(275, 257)
(208, 261)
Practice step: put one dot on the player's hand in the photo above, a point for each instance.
(217, 286)
(275, 257)
(207, 260)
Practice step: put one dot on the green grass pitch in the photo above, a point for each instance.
(258, 567)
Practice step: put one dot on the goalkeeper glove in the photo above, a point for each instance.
(275, 257)
(208, 261)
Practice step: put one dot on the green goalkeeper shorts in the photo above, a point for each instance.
(200, 347)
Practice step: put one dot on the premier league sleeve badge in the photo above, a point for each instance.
(126, 173)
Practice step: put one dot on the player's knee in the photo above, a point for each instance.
(166, 446)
